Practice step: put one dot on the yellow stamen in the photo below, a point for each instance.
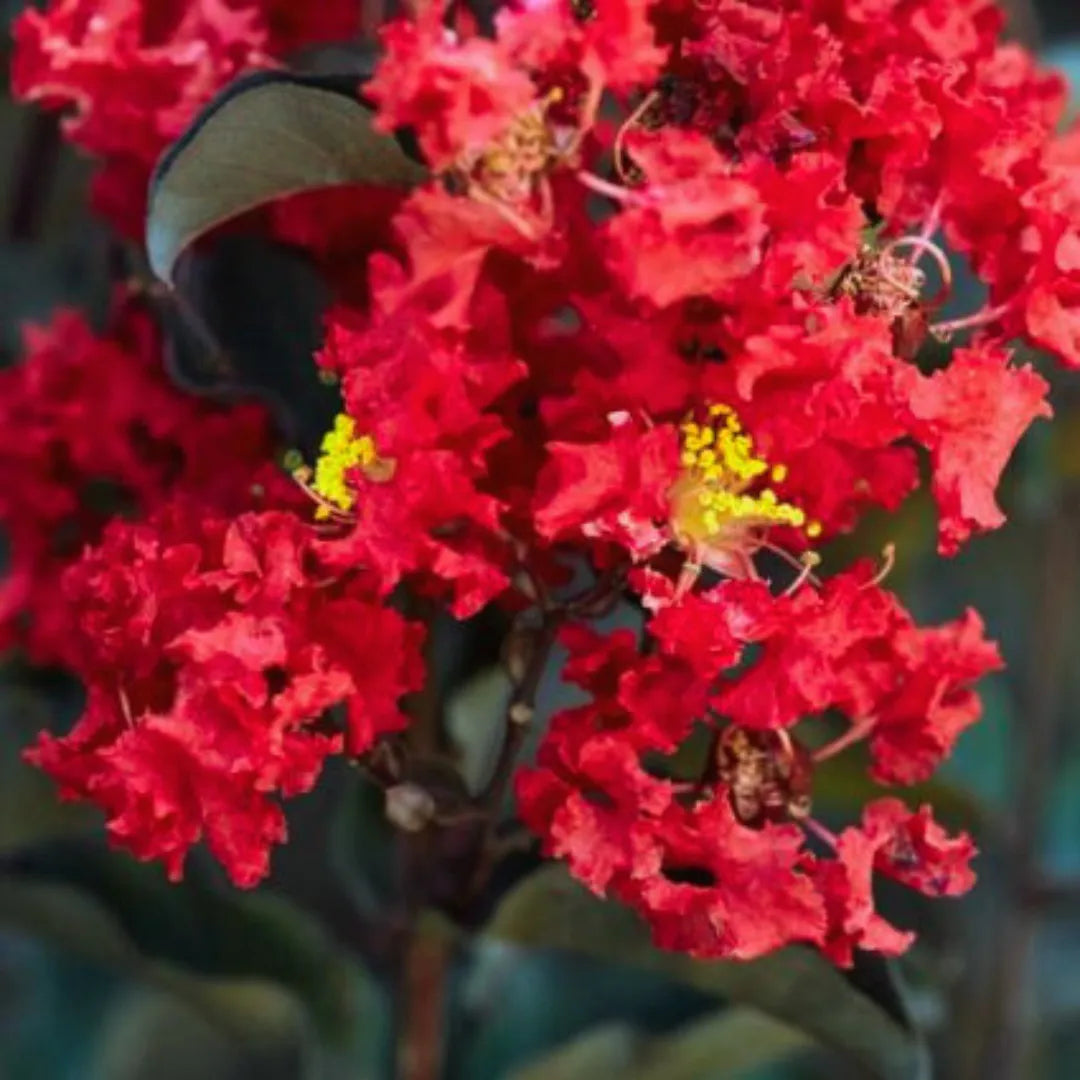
(718, 502)
(341, 452)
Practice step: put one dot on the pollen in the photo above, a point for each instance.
(725, 493)
(510, 166)
(342, 451)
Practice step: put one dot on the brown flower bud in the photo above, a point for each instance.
(409, 807)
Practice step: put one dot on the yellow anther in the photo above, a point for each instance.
(716, 500)
(813, 530)
(341, 451)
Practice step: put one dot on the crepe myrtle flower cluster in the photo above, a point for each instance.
(130, 74)
(660, 312)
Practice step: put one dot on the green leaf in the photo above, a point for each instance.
(725, 1045)
(514, 1005)
(605, 1051)
(361, 851)
(245, 320)
(257, 1019)
(244, 313)
(109, 909)
(266, 136)
(29, 808)
(156, 1036)
(728, 1045)
(797, 986)
(81, 926)
(476, 724)
(842, 787)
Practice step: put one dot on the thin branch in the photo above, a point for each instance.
(520, 711)
(517, 720)
(423, 961)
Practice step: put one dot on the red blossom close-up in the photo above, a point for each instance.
(579, 433)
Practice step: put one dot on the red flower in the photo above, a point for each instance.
(422, 398)
(449, 241)
(210, 652)
(132, 73)
(718, 865)
(456, 95)
(599, 822)
(726, 890)
(672, 343)
(610, 490)
(89, 427)
(971, 415)
(613, 46)
(930, 701)
(823, 395)
(818, 650)
(852, 647)
(695, 229)
(846, 884)
(914, 849)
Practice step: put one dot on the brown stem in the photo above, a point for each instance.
(424, 961)
(519, 712)
(601, 598)
(518, 718)
(619, 147)
(421, 1038)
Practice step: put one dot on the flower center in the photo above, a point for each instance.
(510, 167)
(767, 773)
(341, 452)
(881, 282)
(722, 502)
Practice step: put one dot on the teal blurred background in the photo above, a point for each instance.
(114, 975)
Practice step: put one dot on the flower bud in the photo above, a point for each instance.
(409, 807)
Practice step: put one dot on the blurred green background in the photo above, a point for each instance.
(108, 973)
